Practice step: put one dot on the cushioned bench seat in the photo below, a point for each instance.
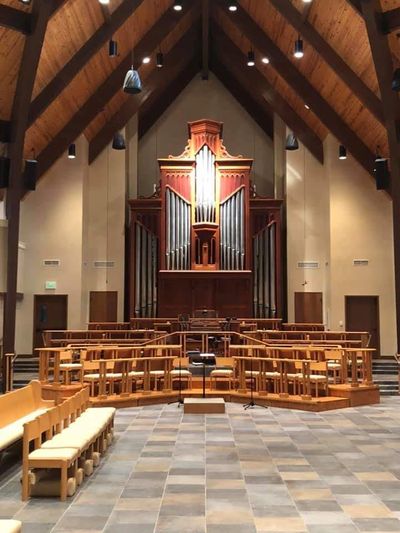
(10, 526)
(15, 431)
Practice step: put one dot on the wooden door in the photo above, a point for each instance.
(362, 314)
(103, 306)
(50, 311)
(308, 308)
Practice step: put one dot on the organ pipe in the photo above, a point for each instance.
(178, 215)
(146, 246)
(264, 266)
(232, 242)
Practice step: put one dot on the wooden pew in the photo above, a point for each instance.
(17, 408)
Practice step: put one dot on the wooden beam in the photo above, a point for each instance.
(205, 37)
(231, 58)
(41, 12)
(105, 92)
(176, 60)
(15, 19)
(82, 56)
(258, 112)
(367, 97)
(356, 4)
(391, 20)
(159, 101)
(5, 131)
(381, 53)
(300, 84)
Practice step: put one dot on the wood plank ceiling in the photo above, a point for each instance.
(71, 27)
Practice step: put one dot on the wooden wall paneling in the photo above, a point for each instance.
(329, 55)
(371, 11)
(232, 58)
(102, 95)
(41, 12)
(205, 38)
(12, 46)
(77, 62)
(175, 61)
(301, 84)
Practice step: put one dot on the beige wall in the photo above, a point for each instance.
(206, 99)
(335, 215)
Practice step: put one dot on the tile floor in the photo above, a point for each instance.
(264, 470)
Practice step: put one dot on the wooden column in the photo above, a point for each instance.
(19, 121)
(381, 53)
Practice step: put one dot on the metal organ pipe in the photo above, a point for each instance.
(264, 256)
(205, 185)
(232, 245)
(178, 222)
(146, 248)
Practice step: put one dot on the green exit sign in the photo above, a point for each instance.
(50, 285)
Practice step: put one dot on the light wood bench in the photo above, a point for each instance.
(10, 526)
(17, 408)
(69, 439)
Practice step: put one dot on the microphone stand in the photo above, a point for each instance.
(179, 401)
(251, 404)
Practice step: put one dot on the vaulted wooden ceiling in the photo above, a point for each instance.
(78, 87)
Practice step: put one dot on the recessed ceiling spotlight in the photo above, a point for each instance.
(178, 6)
(112, 48)
(25, 1)
(251, 59)
(104, 2)
(265, 60)
(146, 60)
(72, 151)
(160, 60)
(306, 106)
(342, 152)
(232, 6)
(307, 1)
(298, 48)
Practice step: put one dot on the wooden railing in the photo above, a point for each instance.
(348, 338)
(64, 337)
(7, 371)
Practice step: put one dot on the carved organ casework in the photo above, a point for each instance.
(204, 239)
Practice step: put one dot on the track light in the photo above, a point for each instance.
(396, 80)
(113, 48)
(118, 141)
(132, 83)
(232, 6)
(342, 152)
(72, 151)
(178, 6)
(251, 59)
(160, 60)
(30, 173)
(298, 48)
(291, 142)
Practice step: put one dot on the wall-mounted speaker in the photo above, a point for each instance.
(4, 172)
(30, 174)
(382, 174)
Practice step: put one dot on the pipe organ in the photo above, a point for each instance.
(204, 239)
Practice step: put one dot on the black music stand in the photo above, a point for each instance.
(251, 404)
(204, 359)
(179, 401)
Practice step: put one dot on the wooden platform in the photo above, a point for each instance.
(203, 405)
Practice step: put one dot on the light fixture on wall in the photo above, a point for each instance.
(298, 48)
(113, 48)
(251, 61)
(72, 151)
(118, 141)
(160, 60)
(342, 152)
(396, 80)
(291, 142)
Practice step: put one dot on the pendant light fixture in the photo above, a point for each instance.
(298, 48)
(113, 48)
(291, 142)
(72, 151)
(160, 60)
(132, 83)
(30, 173)
(251, 61)
(381, 171)
(342, 152)
(118, 141)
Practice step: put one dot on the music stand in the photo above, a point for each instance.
(203, 359)
(179, 401)
(251, 404)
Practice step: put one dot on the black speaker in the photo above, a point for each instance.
(30, 174)
(382, 174)
(4, 172)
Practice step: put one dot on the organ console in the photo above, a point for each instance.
(205, 239)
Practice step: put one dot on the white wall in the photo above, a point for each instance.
(206, 99)
(335, 215)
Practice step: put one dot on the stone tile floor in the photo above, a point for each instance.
(263, 470)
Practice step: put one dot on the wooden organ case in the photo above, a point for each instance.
(205, 240)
